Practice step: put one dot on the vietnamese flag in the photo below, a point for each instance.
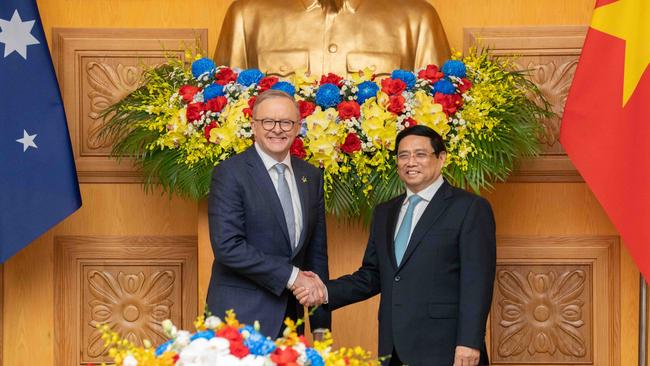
(606, 123)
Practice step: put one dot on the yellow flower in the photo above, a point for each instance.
(430, 114)
(362, 75)
(301, 79)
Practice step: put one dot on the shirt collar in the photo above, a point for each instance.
(427, 193)
(269, 162)
(348, 5)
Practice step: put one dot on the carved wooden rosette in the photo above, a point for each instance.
(97, 68)
(552, 301)
(130, 284)
(549, 54)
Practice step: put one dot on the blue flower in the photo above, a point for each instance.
(313, 358)
(258, 345)
(454, 68)
(444, 86)
(406, 76)
(284, 86)
(163, 347)
(201, 66)
(367, 89)
(249, 77)
(212, 91)
(207, 334)
(328, 95)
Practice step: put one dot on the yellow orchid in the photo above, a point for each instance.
(362, 75)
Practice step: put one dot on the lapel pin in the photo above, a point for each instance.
(304, 179)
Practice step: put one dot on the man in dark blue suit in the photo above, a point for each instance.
(432, 256)
(267, 224)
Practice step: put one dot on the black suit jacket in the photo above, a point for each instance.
(440, 295)
(253, 254)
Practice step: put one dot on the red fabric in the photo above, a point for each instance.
(608, 142)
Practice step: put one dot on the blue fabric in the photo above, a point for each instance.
(404, 232)
(38, 184)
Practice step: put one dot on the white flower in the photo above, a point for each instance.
(212, 322)
(219, 346)
(129, 360)
(252, 360)
(182, 339)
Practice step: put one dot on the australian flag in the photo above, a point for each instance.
(38, 180)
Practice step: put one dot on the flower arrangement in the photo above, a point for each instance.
(185, 119)
(230, 343)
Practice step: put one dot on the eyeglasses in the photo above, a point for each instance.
(420, 156)
(269, 124)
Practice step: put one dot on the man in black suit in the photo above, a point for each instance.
(267, 222)
(432, 255)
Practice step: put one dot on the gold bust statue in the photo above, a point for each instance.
(340, 36)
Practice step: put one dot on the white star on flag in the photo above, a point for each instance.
(27, 141)
(17, 35)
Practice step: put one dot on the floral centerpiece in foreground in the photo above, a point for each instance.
(230, 343)
(186, 119)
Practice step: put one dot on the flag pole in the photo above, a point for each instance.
(643, 321)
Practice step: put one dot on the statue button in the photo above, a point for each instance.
(333, 48)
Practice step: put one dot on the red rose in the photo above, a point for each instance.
(349, 109)
(431, 73)
(188, 92)
(303, 340)
(450, 102)
(209, 128)
(224, 76)
(216, 104)
(238, 349)
(285, 357)
(396, 104)
(298, 148)
(248, 112)
(331, 79)
(231, 334)
(393, 86)
(266, 83)
(411, 122)
(194, 111)
(351, 144)
(306, 108)
(465, 86)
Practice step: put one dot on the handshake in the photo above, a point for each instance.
(308, 289)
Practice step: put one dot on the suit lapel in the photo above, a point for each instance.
(265, 184)
(298, 174)
(391, 223)
(431, 214)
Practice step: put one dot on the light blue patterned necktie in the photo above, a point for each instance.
(404, 232)
(285, 200)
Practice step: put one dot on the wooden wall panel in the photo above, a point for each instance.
(131, 284)
(550, 56)
(97, 68)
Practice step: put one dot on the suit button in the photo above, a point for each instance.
(333, 47)
(397, 278)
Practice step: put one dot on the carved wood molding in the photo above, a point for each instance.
(98, 67)
(131, 284)
(550, 56)
(552, 301)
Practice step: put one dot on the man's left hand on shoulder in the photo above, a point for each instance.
(466, 356)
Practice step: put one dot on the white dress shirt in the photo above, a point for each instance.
(427, 195)
(269, 164)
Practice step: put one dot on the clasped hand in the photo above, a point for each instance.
(308, 289)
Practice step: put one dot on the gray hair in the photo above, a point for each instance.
(273, 93)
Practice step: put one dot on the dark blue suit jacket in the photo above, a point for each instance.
(253, 254)
(440, 295)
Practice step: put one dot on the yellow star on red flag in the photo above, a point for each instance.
(628, 20)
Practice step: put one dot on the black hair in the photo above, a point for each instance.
(420, 130)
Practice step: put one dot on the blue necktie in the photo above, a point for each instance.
(287, 204)
(404, 232)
